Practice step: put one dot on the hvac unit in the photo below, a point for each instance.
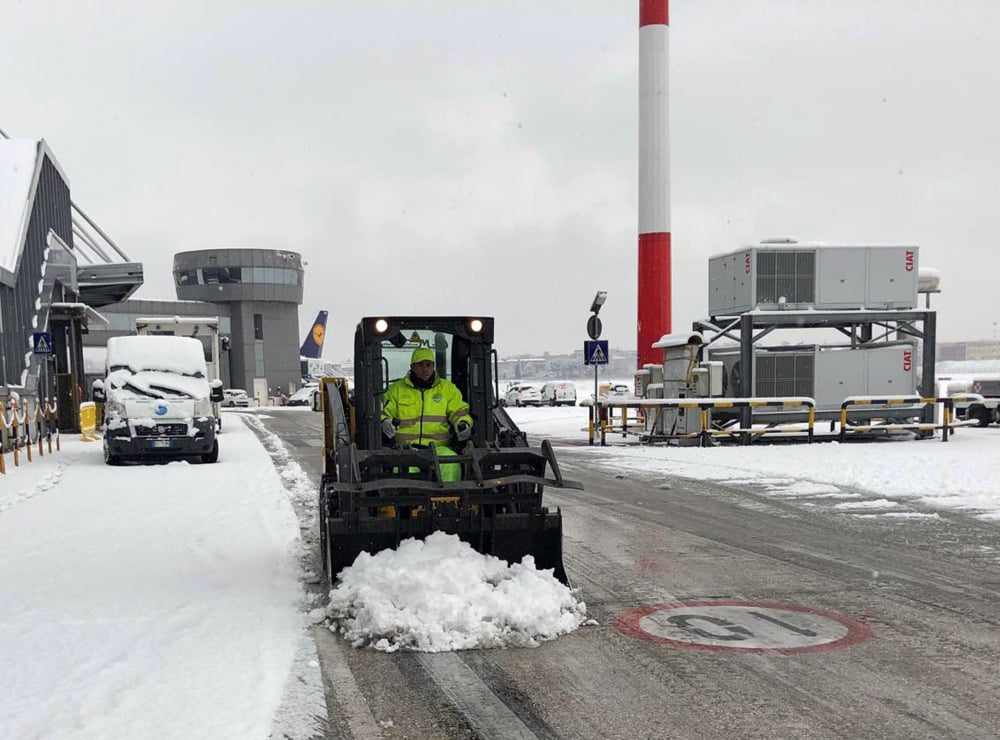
(790, 275)
(826, 374)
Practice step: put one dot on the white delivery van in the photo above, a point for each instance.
(559, 393)
(157, 400)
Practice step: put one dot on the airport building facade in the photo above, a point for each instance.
(254, 293)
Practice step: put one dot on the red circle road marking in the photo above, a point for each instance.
(801, 629)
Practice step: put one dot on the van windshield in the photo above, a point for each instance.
(128, 368)
(156, 384)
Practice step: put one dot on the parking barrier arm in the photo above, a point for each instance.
(706, 404)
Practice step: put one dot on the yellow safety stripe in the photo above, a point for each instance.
(436, 437)
(427, 419)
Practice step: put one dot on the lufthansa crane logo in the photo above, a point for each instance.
(317, 334)
(160, 409)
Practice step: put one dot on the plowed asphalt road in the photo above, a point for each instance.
(722, 614)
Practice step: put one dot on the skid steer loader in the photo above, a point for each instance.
(375, 493)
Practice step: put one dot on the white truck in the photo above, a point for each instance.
(199, 327)
(985, 412)
(157, 400)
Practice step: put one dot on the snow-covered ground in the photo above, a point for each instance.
(146, 601)
(962, 473)
(166, 601)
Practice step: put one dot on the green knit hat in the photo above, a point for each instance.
(420, 354)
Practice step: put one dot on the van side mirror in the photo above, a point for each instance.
(97, 392)
(215, 394)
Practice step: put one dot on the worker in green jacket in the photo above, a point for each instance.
(421, 408)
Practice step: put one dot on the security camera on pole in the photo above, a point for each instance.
(595, 352)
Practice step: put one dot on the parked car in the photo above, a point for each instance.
(232, 397)
(559, 393)
(303, 396)
(616, 392)
(522, 395)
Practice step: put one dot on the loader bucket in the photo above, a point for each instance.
(509, 537)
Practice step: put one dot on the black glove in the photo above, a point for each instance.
(389, 428)
(463, 431)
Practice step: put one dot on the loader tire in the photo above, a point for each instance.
(322, 533)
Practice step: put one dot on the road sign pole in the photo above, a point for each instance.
(596, 415)
(594, 332)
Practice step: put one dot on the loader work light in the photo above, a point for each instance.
(381, 326)
(476, 326)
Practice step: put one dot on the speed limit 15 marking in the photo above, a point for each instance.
(742, 626)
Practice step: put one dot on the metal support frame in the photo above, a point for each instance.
(862, 328)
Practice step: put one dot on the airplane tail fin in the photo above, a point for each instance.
(312, 345)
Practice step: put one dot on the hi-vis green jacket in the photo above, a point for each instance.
(425, 415)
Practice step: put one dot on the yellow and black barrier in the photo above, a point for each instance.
(52, 423)
(705, 405)
(17, 429)
(946, 426)
(3, 439)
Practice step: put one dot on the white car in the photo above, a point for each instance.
(559, 393)
(522, 395)
(303, 396)
(232, 397)
(617, 392)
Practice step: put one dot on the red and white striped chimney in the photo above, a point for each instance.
(654, 180)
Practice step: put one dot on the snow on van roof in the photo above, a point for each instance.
(184, 355)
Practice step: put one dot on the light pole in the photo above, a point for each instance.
(594, 332)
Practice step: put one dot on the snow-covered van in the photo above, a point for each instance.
(558, 393)
(157, 399)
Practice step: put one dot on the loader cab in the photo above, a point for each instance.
(463, 352)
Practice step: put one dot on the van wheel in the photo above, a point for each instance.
(109, 457)
(212, 456)
(553, 402)
(982, 415)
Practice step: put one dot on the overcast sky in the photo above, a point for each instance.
(481, 156)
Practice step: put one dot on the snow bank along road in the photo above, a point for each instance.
(148, 601)
(723, 610)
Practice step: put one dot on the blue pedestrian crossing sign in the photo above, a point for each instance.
(41, 341)
(595, 352)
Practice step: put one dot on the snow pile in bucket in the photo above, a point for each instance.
(439, 594)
